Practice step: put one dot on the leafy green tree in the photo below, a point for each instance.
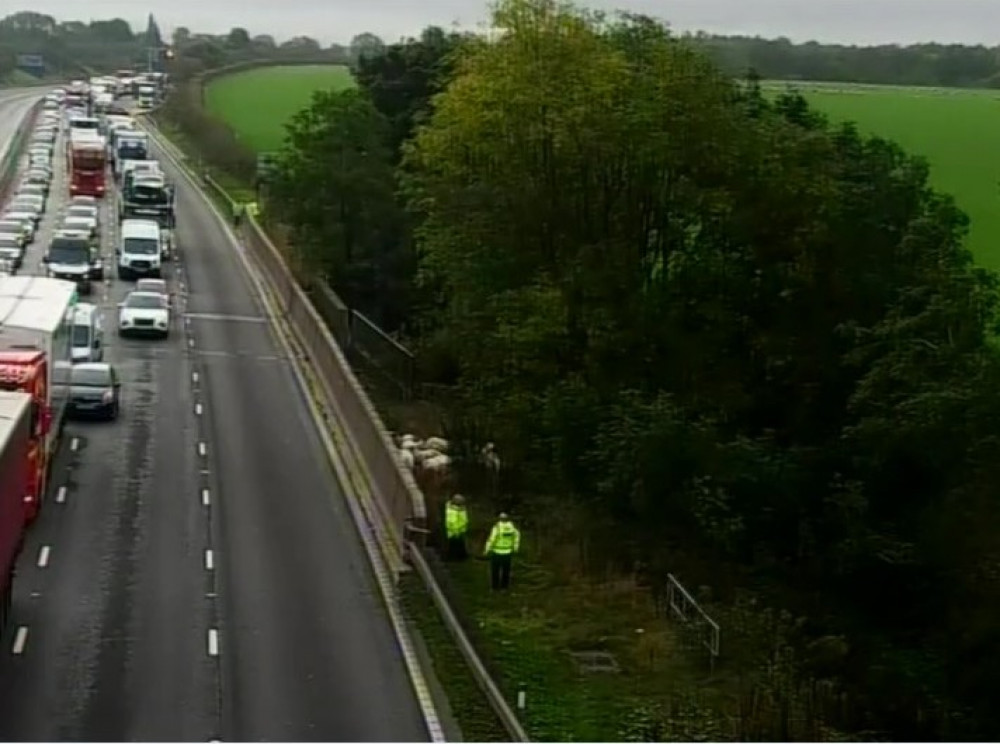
(402, 79)
(335, 187)
(366, 45)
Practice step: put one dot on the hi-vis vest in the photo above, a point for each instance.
(456, 520)
(504, 539)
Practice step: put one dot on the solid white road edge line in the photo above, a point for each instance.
(411, 660)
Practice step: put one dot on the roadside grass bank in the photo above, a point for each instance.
(956, 130)
(258, 103)
(595, 652)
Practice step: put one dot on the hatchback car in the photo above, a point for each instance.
(94, 391)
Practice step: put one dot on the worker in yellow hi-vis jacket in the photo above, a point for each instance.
(456, 525)
(502, 545)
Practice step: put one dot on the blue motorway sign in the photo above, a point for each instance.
(31, 63)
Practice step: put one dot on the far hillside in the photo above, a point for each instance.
(257, 103)
(957, 131)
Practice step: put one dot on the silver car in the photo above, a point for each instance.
(13, 229)
(27, 220)
(29, 207)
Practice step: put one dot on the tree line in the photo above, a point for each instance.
(939, 65)
(106, 45)
(706, 322)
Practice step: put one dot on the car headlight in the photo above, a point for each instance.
(161, 323)
(108, 396)
(124, 322)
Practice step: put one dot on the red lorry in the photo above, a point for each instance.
(88, 160)
(15, 444)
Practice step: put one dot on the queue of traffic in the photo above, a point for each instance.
(52, 363)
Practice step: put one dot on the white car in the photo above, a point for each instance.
(86, 211)
(32, 194)
(11, 250)
(156, 286)
(86, 225)
(27, 219)
(15, 229)
(144, 313)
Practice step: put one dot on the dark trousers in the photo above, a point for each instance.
(500, 570)
(454, 549)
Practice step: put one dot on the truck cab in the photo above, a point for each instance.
(146, 97)
(147, 196)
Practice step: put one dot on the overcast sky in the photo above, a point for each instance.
(847, 21)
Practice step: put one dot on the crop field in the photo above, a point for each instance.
(257, 103)
(958, 131)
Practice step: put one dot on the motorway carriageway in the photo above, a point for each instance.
(194, 574)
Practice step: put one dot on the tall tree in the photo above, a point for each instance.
(402, 79)
(335, 185)
(153, 36)
(366, 45)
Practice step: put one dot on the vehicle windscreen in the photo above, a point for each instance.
(76, 223)
(149, 193)
(141, 246)
(81, 213)
(69, 251)
(144, 302)
(10, 227)
(8, 242)
(81, 335)
(88, 160)
(132, 150)
(90, 376)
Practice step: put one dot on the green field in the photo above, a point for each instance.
(958, 131)
(257, 103)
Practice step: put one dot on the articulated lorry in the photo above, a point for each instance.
(36, 354)
(16, 423)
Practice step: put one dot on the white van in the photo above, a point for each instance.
(139, 249)
(88, 334)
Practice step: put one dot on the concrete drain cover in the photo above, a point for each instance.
(595, 662)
